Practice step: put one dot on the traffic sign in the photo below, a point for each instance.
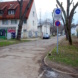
(57, 14)
(57, 23)
(57, 11)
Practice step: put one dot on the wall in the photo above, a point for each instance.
(46, 29)
(40, 31)
(12, 25)
(30, 27)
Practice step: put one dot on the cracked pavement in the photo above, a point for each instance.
(22, 60)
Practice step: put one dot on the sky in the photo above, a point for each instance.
(47, 6)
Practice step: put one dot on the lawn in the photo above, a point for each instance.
(68, 55)
(10, 42)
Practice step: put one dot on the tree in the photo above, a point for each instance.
(22, 16)
(68, 17)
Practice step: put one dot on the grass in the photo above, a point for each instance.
(10, 42)
(68, 54)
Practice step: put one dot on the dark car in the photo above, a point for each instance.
(46, 36)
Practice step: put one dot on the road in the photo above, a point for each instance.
(23, 60)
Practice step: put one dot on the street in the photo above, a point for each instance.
(23, 60)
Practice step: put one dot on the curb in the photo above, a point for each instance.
(57, 69)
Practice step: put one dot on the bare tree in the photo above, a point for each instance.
(22, 16)
(68, 17)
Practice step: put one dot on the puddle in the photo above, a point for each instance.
(48, 74)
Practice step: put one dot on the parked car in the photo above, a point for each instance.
(46, 36)
(59, 34)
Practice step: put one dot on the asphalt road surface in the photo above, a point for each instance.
(22, 60)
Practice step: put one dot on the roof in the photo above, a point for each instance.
(5, 6)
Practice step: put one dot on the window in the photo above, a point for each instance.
(11, 12)
(13, 21)
(25, 21)
(33, 13)
(33, 23)
(1, 12)
(5, 22)
(24, 30)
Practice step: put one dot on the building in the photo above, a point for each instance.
(77, 30)
(43, 29)
(73, 31)
(9, 19)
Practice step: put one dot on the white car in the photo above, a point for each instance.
(59, 34)
(46, 36)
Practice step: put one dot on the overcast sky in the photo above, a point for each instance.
(46, 7)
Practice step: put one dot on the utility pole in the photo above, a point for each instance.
(46, 25)
(41, 33)
(40, 17)
(53, 17)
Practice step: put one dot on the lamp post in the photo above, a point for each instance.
(46, 25)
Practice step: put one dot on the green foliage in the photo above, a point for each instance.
(68, 54)
(10, 42)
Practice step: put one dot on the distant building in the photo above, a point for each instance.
(73, 31)
(9, 19)
(43, 29)
(77, 30)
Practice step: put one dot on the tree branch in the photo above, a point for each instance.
(26, 9)
(72, 11)
(75, 12)
(21, 6)
(19, 1)
(63, 20)
(61, 8)
(71, 2)
(56, 5)
(68, 8)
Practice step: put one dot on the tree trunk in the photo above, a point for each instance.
(19, 30)
(68, 26)
(77, 34)
(66, 35)
(69, 32)
(70, 39)
(66, 32)
(22, 16)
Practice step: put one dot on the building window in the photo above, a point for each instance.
(5, 22)
(1, 12)
(33, 23)
(11, 12)
(33, 13)
(25, 21)
(13, 21)
(24, 30)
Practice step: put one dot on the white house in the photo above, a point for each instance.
(73, 31)
(77, 30)
(43, 29)
(9, 19)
